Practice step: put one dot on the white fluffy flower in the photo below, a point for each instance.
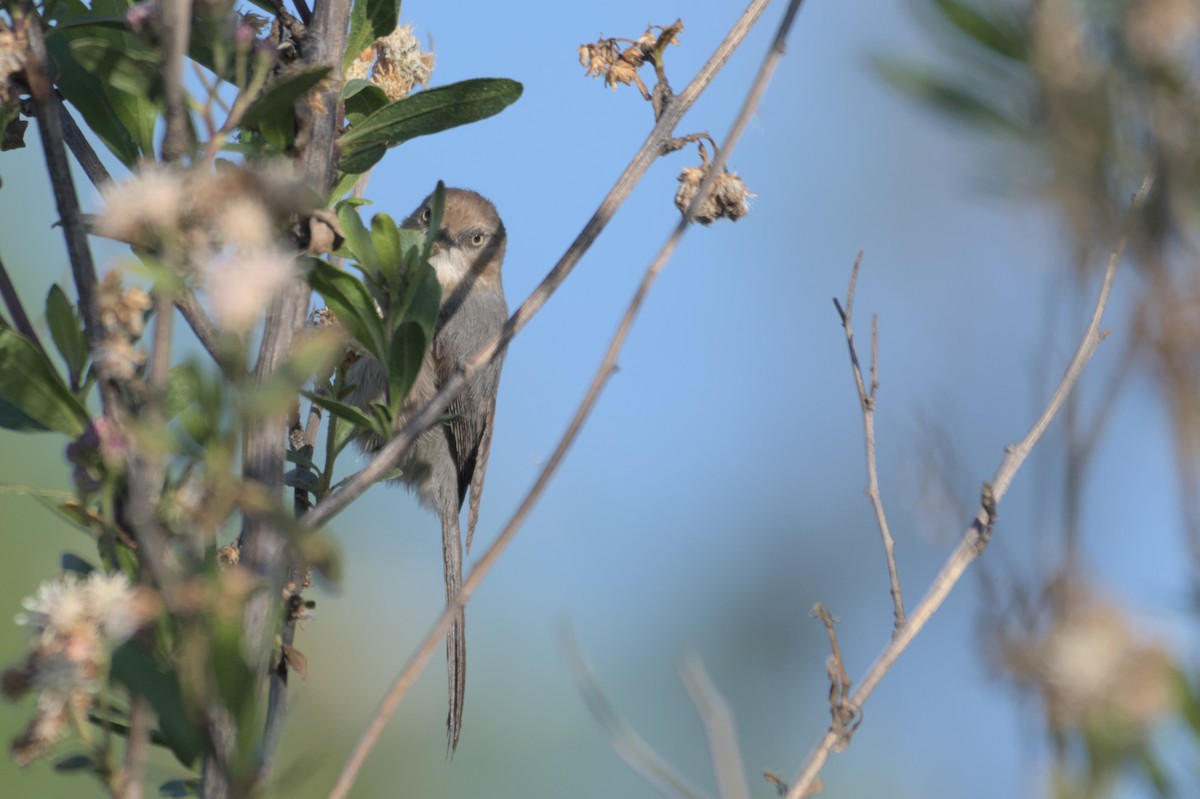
(241, 284)
(149, 203)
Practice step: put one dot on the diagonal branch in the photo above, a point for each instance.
(83, 267)
(608, 365)
(976, 537)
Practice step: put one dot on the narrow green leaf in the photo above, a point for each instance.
(358, 160)
(362, 99)
(84, 90)
(421, 301)
(138, 671)
(1001, 36)
(276, 100)
(352, 304)
(66, 329)
(178, 789)
(29, 384)
(430, 111)
(962, 103)
(407, 351)
(70, 562)
(348, 413)
(386, 240)
(369, 20)
(73, 763)
(358, 240)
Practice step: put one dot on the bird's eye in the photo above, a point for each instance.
(477, 240)
(426, 215)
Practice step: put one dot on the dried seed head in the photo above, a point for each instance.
(728, 198)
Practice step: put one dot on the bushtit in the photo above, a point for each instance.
(450, 457)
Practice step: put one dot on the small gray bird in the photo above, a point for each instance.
(452, 456)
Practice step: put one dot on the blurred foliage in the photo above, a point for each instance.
(1086, 98)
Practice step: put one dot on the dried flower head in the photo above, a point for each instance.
(12, 64)
(728, 198)
(395, 63)
(620, 65)
(123, 318)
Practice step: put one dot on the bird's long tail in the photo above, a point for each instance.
(456, 638)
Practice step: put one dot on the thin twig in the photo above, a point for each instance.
(717, 718)
(845, 717)
(866, 401)
(978, 533)
(16, 310)
(206, 332)
(421, 656)
(83, 268)
(386, 456)
(630, 747)
(137, 748)
(175, 17)
(79, 145)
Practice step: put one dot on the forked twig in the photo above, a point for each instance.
(976, 537)
(866, 401)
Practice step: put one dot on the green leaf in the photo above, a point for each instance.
(178, 789)
(128, 72)
(352, 304)
(357, 240)
(66, 328)
(302, 479)
(426, 112)
(962, 103)
(1002, 36)
(369, 20)
(137, 670)
(407, 351)
(73, 763)
(30, 386)
(386, 240)
(349, 413)
(421, 301)
(277, 99)
(70, 562)
(358, 160)
(362, 98)
(84, 90)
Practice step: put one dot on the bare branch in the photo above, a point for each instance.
(176, 21)
(714, 712)
(83, 268)
(16, 310)
(976, 537)
(866, 401)
(630, 747)
(79, 146)
(421, 656)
